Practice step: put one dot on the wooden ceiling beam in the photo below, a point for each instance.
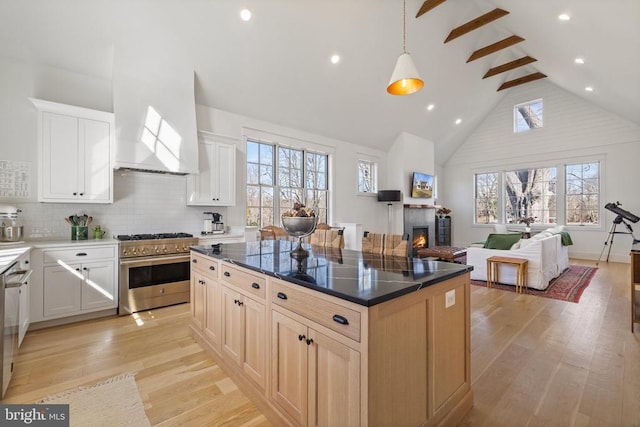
(492, 48)
(428, 5)
(476, 23)
(509, 66)
(521, 80)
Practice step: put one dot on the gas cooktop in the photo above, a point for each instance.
(153, 236)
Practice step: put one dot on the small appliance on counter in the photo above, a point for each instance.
(212, 223)
(10, 229)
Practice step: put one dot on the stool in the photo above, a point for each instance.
(494, 262)
(447, 253)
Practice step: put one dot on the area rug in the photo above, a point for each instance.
(113, 402)
(566, 287)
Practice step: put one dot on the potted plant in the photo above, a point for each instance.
(443, 212)
(527, 221)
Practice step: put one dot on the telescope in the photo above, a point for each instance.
(616, 209)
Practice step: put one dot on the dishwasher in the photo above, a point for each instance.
(11, 280)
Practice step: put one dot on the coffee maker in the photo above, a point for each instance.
(213, 223)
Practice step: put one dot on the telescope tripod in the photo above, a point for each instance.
(612, 233)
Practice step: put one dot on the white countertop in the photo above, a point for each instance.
(41, 244)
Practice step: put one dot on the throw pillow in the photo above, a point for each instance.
(501, 241)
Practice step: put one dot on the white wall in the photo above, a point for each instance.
(574, 129)
(347, 205)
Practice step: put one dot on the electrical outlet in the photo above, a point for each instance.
(450, 298)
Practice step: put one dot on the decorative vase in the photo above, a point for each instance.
(299, 227)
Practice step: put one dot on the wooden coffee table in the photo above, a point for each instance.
(446, 253)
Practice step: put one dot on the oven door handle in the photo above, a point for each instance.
(155, 260)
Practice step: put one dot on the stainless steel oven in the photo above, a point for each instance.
(154, 271)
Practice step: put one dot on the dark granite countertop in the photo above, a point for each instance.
(365, 279)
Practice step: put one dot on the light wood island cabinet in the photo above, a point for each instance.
(330, 361)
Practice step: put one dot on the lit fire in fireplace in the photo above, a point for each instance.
(420, 241)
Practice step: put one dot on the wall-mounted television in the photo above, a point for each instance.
(422, 185)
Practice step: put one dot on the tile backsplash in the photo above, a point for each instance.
(143, 203)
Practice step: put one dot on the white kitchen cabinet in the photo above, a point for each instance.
(75, 153)
(76, 288)
(25, 291)
(215, 183)
(71, 280)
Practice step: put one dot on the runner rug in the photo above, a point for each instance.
(566, 287)
(113, 402)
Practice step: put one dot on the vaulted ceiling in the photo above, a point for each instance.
(276, 67)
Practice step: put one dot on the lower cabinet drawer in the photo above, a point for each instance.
(254, 284)
(79, 254)
(333, 316)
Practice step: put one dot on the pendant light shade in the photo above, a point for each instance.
(405, 79)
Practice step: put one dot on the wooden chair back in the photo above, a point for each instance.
(372, 243)
(396, 245)
(273, 232)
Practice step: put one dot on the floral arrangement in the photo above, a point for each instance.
(527, 221)
(443, 211)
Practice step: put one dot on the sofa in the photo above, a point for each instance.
(547, 255)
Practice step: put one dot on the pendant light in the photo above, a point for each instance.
(405, 79)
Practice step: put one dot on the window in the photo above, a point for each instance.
(486, 198)
(527, 116)
(583, 193)
(301, 177)
(568, 194)
(531, 193)
(367, 177)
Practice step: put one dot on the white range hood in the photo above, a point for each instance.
(155, 117)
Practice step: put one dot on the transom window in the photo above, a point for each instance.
(301, 178)
(527, 116)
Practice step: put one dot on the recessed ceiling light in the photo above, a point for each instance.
(564, 17)
(245, 14)
(458, 121)
(579, 61)
(430, 107)
(335, 59)
(589, 89)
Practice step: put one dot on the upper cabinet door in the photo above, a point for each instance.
(75, 154)
(60, 158)
(215, 184)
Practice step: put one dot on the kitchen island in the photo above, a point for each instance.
(338, 338)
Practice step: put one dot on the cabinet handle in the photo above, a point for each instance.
(240, 303)
(226, 273)
(212, 268)
(235, 301)
(309, 341)
(81, 254)
(255, 286)
(301, 337)
(282, 295)
(82, 194)
(340, 319)
(77, 269)
(195, 261)
(85, 269)
(75, 194)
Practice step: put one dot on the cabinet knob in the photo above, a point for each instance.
(85, 269)
(309, 341)
(75, 194)
(82, 194)
(227, 274)
(213, 268)
(195, 261)
(301, 337)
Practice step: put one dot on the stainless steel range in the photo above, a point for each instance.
(154, 270)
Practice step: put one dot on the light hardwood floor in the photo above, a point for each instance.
(535, 361)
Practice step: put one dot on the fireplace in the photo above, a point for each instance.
(419, 238)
